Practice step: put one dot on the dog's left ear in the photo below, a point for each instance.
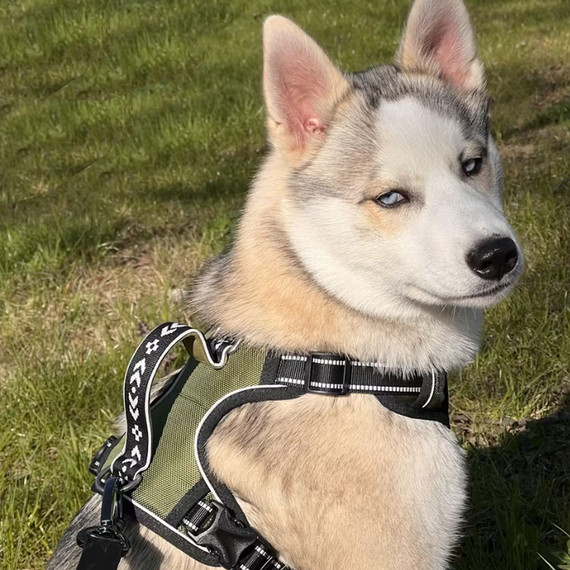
(439, 40)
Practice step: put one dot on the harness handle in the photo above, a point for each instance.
(136, 454)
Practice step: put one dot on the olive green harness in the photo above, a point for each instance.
(158, 472)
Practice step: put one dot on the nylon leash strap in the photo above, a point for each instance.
(104, 545)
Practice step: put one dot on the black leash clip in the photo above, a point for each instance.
(104, 545)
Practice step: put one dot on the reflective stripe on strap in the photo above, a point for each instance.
(334, 375)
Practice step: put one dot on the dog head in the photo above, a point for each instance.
(394, 181)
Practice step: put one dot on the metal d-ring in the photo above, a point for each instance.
(227, 350)
(101, 481)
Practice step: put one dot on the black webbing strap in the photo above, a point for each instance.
(256, 555)
(331, 374)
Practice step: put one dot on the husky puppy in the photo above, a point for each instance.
(374, 229)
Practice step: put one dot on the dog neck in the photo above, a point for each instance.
(260, 292)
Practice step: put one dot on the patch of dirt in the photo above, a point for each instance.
(555, 136)
(512, 152)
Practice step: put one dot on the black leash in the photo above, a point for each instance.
(104, 545)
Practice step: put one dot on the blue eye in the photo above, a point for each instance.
(391, 199)
(472, 166)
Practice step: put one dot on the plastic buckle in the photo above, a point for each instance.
(328, 391)
(226, 537)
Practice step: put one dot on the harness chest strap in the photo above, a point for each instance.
(222, 535)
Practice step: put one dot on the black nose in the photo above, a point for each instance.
(493, 258)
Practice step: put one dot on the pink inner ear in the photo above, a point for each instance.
(299, 87)
(443, 44)
(451, 59)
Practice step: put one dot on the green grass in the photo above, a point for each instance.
(128, 134)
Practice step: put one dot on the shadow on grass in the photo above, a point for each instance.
(519, 83)
(216, 192)
(519, 494)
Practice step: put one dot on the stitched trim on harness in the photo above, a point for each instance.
(433, 384)
(332, 362)
(165, 524)
(352, 386)
(204, 420)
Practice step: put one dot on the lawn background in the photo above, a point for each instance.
(128, 133)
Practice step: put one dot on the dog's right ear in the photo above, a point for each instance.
(439, 40)
(301, 88)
